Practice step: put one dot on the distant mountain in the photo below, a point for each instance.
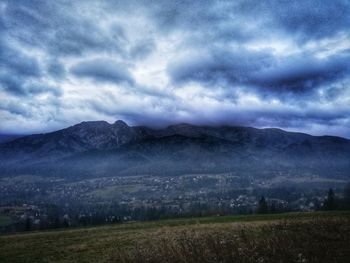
(102, 149)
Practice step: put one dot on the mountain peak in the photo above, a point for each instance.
(120, 123)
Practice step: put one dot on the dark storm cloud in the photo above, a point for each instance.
(59, 28)
(15, 109)
(219, 23)
(142, 49)
(306, 20)
(22, 87)
(20, 73)
(86, 36)
(103, 70)
(292, 52)
(300, 73)
(37, 88)
(11, 84)
(17, 63)
(218, 66)
(56, 69)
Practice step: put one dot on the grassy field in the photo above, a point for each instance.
(292, 237)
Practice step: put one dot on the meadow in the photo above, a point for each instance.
(290, 237)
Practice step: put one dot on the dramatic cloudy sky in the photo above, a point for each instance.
(257, 63)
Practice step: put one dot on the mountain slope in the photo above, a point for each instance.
(9, 137)
(103, 149)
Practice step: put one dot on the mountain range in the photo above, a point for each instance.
(97, 148)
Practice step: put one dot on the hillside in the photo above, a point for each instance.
(8, 137)
(294, 237)
(98, 148)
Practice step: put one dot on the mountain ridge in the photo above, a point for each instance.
(172, 126)
(88, 148)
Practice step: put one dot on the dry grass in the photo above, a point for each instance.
(295, 237)
(317, 240)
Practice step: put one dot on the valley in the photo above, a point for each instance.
(36, 202)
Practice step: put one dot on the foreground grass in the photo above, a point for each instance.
(293, 237)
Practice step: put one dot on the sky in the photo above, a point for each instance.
(283, 64)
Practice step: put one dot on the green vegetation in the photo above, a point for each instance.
(292, 237)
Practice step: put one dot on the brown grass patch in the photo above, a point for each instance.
(317, 240)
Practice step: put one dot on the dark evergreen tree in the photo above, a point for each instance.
(262, 206)
(273, 208)
(346, 201)
(28, 224)
(330, 202)
(347, 193)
